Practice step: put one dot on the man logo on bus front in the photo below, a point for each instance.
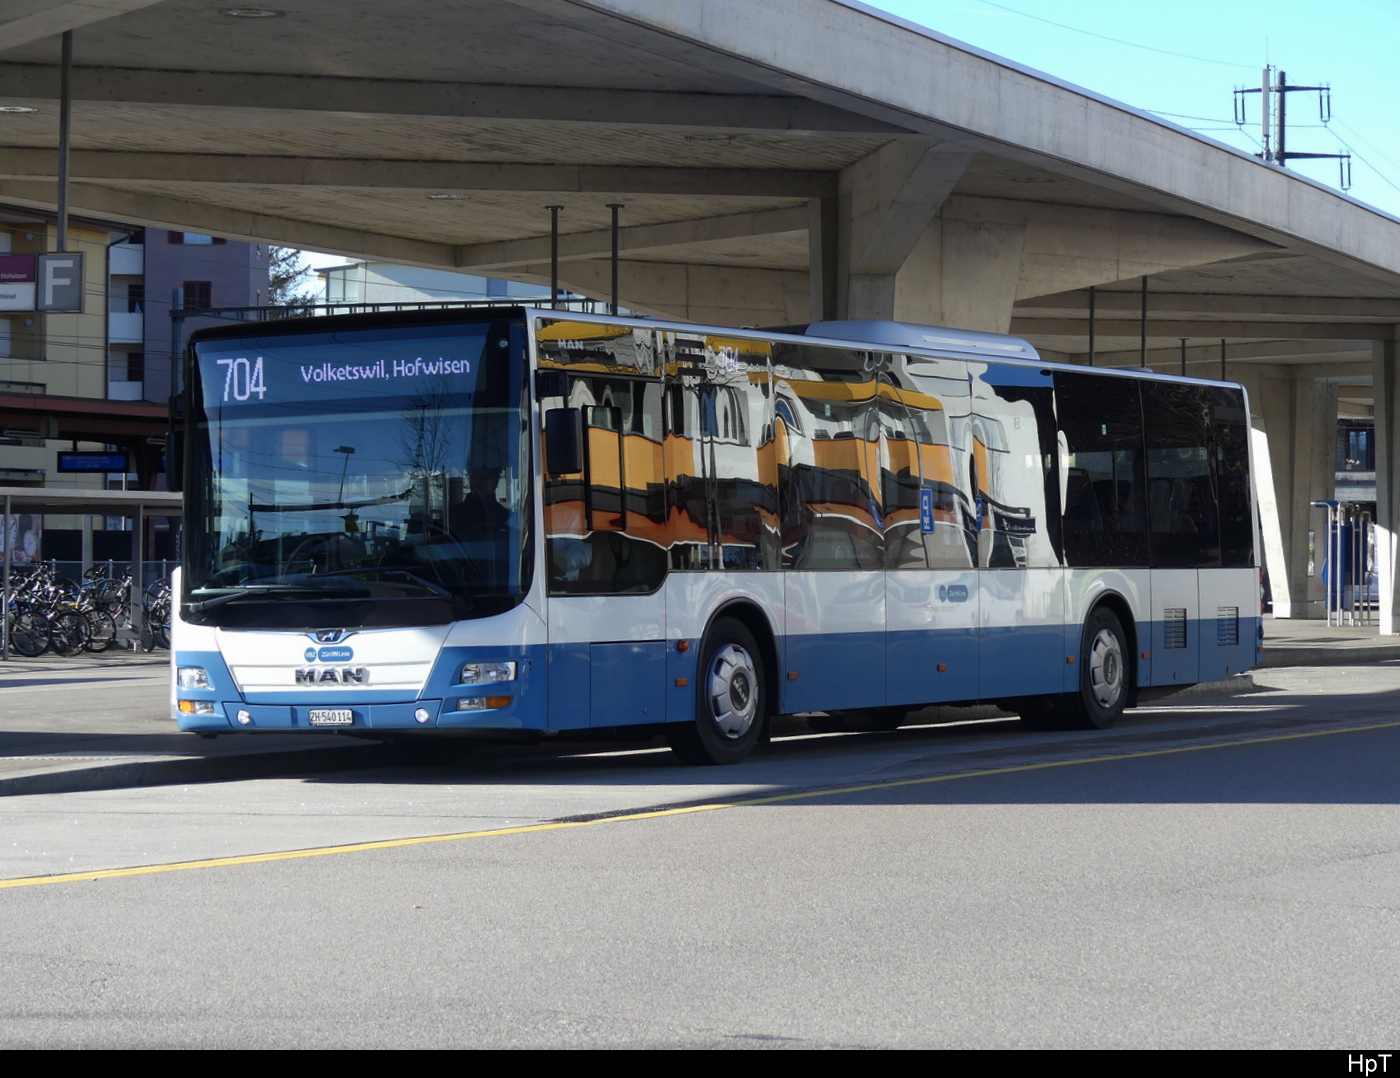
(329, 636)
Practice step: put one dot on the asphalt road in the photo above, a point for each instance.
(1221, 873)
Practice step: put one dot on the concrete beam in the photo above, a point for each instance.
(1286, 354)
(1354, 373)
(1072, 247)
(26, 21)
(720, 295)
(1161, 327)
(632, 239)
(21, 163)
(394, 97)
(1328, 307)
(159, 211)
(983, 255)
(1163, 361)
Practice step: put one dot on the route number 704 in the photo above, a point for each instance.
(243, 378)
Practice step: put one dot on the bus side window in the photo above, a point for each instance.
(605, 527)
(1181, 496)
(1105, 512)
(832, 512)
(743, 474)
(1230, 466)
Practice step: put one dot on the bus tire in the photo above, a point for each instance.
(730, 699)
(1104, 672)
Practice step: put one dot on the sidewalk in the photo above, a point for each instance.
(1289, 642)
(101, 721)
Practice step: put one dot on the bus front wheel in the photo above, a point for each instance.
(730, 699)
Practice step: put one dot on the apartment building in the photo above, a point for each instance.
(83, 396)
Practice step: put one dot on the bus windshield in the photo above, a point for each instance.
(372, 477)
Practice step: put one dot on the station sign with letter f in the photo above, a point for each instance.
(51, 282)
(60, 281)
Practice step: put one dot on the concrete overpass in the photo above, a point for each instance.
(776, 162)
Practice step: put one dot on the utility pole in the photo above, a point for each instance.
(1273, 121)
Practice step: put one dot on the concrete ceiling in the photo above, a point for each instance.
(437, 134)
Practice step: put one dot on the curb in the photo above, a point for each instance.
(1275, 657)
(1237, 685)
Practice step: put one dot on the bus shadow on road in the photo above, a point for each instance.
(1266, 747)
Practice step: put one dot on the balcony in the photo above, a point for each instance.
(123, 328)
(124, 391)
(128, 258)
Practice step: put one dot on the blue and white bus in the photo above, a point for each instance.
(531, 521)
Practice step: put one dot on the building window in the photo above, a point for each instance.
(136, 366)
(1356, 450)
(135, 298)
(194, 239)
(197, 294)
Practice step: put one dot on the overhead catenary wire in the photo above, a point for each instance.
(1118, 40)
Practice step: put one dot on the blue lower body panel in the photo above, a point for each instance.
(591, 685)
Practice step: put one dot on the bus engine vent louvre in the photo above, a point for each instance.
(1227, 626)
(1174, 627)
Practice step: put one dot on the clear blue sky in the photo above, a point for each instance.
(1351, 44)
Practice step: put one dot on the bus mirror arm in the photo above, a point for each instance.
(563, 441)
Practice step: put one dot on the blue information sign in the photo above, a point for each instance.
(93, 462)
(926, 520)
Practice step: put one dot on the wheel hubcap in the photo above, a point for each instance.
(1106, 668)
(730, 690)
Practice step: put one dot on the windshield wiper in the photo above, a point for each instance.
(394, 570)
(253, 591)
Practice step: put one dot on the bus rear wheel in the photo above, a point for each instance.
(1104, 682)
(730, 699)
(1104, 673)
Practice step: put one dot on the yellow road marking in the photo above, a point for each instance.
(802, 795)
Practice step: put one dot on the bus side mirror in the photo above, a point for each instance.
(174, 460)
(563, 441)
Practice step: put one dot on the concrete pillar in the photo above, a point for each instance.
(885, 206)
(822, 231)
(1300, 419)
(1385, 379)
(963, 274)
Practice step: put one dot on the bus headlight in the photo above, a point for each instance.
(192, 677)
(196, 707)
(477, 673)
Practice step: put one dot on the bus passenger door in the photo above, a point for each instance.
(833, 546)
(1024, 635)
(606, 564)
(931, 594)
